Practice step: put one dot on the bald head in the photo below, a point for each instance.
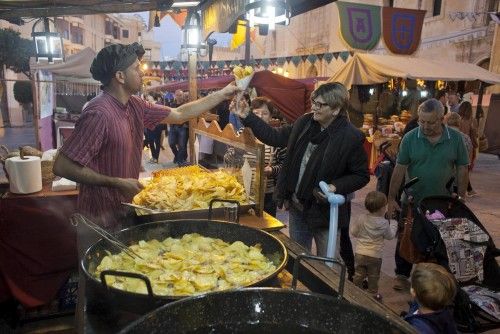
(431, 106)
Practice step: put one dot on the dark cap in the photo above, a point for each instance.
(113, 58)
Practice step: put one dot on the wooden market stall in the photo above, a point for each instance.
(372, 69)
(64, 85)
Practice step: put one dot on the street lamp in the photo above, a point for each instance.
(48, 44)
(192, 35)
(268, 12)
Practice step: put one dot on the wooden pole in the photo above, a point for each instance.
(36, 109)
(247, 42)
(193, 95)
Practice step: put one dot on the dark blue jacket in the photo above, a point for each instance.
(439, 322)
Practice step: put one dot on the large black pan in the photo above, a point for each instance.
(264, 311)
(101, 297)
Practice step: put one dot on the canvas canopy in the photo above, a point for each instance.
(76, 65)
(291, 96)
(368, 69)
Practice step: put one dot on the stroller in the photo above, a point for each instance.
(427, 239)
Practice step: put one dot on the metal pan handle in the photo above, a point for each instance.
(231, 201)
(319, 258)
(143, 278)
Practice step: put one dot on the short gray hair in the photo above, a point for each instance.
(432, 105)
(334, 93)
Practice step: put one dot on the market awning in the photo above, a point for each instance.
(368, 69)
(291, 96)
(14, 9)
(75, 65)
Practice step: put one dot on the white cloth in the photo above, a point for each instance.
(63, 184)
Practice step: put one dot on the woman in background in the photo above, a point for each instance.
(469, 126)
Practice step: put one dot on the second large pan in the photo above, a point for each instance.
(263, 311)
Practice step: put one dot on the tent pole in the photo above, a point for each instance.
(193, 95)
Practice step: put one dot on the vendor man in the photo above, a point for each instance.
(104, 152)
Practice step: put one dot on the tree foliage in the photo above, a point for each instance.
(22, 92)
(16, 51)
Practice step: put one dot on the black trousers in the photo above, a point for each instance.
(346, 252)
(269, 204)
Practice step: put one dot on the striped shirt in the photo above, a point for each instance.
(274, 157)
(108, 139)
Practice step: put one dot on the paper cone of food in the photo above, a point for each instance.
(243, 76)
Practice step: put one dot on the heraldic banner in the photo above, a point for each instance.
(402, 29)
(359, 24)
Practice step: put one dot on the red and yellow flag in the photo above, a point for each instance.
(240, 36)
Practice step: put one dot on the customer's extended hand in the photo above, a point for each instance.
(239, 106)
(320, 196)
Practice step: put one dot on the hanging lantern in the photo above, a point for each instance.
(268, 13)
(192, 35)
(48, 44)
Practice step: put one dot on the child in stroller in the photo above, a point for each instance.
(459, 242)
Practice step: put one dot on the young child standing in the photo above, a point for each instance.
(433, 289)
(370, 230)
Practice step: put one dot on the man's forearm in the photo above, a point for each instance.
(65, 167)
(463, 180)
(195, 108)
(396, 180)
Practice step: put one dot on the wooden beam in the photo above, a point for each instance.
(319, 278)
(101, 8)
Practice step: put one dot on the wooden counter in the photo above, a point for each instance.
(45, 192)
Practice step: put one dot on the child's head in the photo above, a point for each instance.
(433, 286)
(375, 201)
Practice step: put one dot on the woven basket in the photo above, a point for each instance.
(47, 174)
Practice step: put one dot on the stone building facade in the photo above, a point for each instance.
(79, 32)
(454, 30)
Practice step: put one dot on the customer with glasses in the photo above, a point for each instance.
(322, 145)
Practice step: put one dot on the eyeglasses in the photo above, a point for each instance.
(316, 104)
